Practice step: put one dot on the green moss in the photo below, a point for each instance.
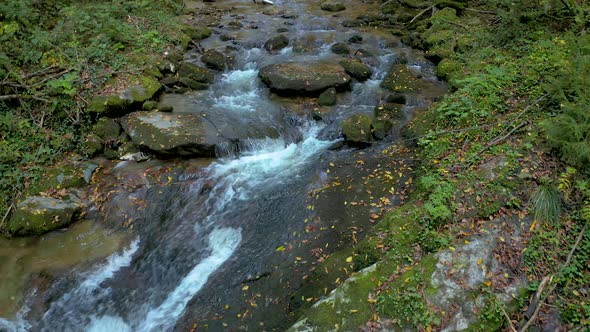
(148, 89)
(39, 215)
(197, 33)
(449, 69)
(357, 69)
(401, 79)
(107, 129)
(357, 128)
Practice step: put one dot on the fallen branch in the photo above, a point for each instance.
(420, 14)
(6, 215)
(21, 96)
(455, 23)
(481, 11)
(549, 279)
(512, 328)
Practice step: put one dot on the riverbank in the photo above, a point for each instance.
(495, 235)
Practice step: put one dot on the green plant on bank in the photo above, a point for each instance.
(56, 55)
(524, 80)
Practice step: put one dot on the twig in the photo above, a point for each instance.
(420, 14)
(481, 11)
(508, 319)
(6, 215)
(500, 138)
(536, 298)
(455, 23)
(21, 96)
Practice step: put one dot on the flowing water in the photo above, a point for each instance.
(227, 241)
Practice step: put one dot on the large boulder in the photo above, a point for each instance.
(402, 79)
(38, 215)
(304, 78)
(357, 69)
(170, 133)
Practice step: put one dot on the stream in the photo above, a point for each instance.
(226, 241)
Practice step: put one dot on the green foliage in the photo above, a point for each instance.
(569, 130)
(479, 98)
(404, 300)
(55, 55)
(439, 194)
(546, 203)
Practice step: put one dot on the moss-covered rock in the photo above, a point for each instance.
(107, 129)
(340, 48)
(440, 38)
(304, 78)
(333, 6)
(75, 174)
(92, 145)
(381, 127)
(389, 111)
(357, 69)
(327, 98)
(109, 106)
(449, 69)
(195, 73)
(147, 89)
(357, 129)
(276, 43)
(170, 133)
(401, 79)
(38, 215)
(150, 105)
(215, 60)
(197, 33)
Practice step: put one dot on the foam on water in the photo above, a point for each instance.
(269, 161)
(114, 263)
(240, 91)
(222, 243)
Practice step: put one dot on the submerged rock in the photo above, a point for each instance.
(38, 215)
(215, 60)
(333, 6)
(276, 43)
(357, 69)
(304, 78)
(340, 48)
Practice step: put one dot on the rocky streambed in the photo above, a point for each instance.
(265, 149)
